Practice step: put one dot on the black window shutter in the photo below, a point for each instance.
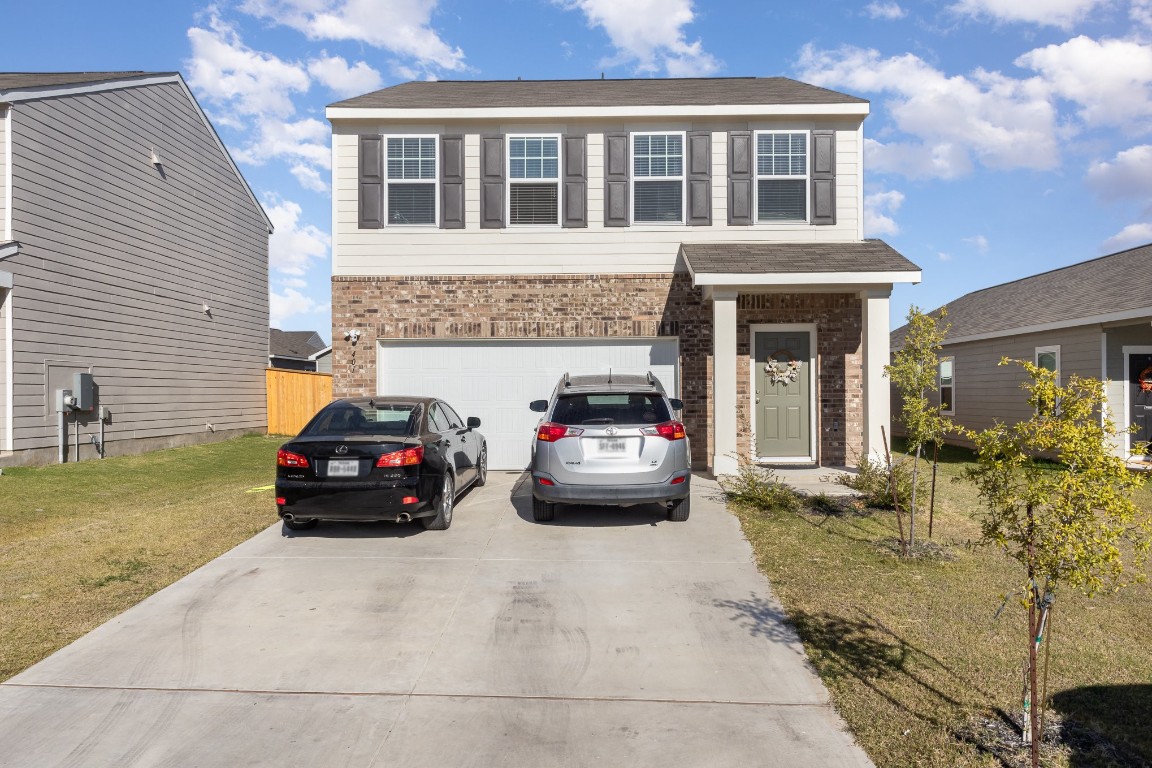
(616, 175)
(451, 182)
(699, 178)
(492, 182)
(823, 177)
(371, 192)
(575, 182)
(740, 178)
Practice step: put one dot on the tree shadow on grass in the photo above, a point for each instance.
(1107, 725)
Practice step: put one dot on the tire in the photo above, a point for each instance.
(444, 507)
(300, 525)
(680, 509)
(542, 511)
(482, 468)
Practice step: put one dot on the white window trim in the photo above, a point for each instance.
(807, 178)
(1126, 352)
(682, 178)
(814, 384)
(1055, 349)
(8, 436)
(940, 386)
(435, 180)
(508, 176)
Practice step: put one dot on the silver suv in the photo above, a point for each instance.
(610, 440)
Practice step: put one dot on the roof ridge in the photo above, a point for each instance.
(1052, 271)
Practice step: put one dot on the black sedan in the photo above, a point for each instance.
(382, 458)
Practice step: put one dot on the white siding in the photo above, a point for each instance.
(544, 250)
(5, 348)
(4, 149)
(117, 261)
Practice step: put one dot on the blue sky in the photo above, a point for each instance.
(1007, 137)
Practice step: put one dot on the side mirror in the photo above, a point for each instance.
(473, 422)
(677, 405)
(539, 406)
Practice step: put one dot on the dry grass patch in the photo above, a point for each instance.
(80, 543)
(916, 660)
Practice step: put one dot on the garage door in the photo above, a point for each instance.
(496, 379)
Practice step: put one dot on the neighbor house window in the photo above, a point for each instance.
(411, 169)
(1048, 358)
(947, 386)
(782, 176)
(533, 179)
(658, 178)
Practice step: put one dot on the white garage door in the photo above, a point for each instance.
(496, 379)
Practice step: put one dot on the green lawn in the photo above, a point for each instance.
(80, 543)
(919, 665)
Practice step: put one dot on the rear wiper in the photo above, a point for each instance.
(599, 421)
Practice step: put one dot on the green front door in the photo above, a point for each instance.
(783, 399)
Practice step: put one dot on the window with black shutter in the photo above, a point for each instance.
(533, 180)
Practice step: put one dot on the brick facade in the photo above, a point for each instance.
(605, 306)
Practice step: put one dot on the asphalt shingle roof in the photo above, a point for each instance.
(448, 94)
(1109, 284)
(755, 258)
(18, 80)
(299, 344)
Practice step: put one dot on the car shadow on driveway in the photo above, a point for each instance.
(585, 515)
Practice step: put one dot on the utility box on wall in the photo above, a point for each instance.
(84, 390)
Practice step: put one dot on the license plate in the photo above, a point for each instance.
(343, 468)
(612, 445)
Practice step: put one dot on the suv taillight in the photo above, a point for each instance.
(288, 459)
(550, 432)
(670, 430)
(404, 458)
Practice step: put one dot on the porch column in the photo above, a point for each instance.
(877, 393)
(724, 382)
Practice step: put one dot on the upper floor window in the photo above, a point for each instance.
(947, 385)
(1048, 358)
(782, 176)
(411, 169)
(658, 178)
(533, 179)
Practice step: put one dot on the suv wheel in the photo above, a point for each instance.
(542, 511)
(678, 512)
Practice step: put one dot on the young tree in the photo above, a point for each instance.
(913, 370)
(1059, 503)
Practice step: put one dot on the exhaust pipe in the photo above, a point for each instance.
(403, 517)
(288, 516)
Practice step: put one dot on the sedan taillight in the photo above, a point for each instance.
(550, 432)
(404, 458)
(288, 459)
(670, 430)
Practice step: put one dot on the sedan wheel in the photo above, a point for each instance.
(482, 467)
(443, 517)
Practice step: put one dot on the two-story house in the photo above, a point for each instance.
(490, 236)
(133, 257)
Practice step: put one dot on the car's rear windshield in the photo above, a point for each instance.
(351, 419)
(615, 408)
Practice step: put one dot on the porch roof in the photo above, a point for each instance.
(865, 262)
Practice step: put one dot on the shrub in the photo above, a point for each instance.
(760, 488)
(872, 483)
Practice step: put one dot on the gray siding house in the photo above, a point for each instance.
(1093, 319)
(131, 249)
(298, 351)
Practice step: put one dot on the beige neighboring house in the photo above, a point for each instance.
(131, 251)
(490, 236)
(1093, 319)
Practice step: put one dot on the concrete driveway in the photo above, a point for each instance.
(610, 637)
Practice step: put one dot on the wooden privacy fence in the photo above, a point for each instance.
(294, 397)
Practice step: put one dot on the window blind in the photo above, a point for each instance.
(781, 200)
(533, 204)
(411, 203)
(658, 200)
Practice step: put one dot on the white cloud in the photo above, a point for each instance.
(1140, 11)
(309, 178)
(1111, 80)
(239, 80)
(400, 26)
(954, 122)
(300, 140)
(344, 80)
(293, 247)
(1056, 13)
(889, 11)
(979, 242)
(1129, 237)
(1128, 176)
(290, 304)
(878, 210)
(293, 282)
(649, 34)
(944, 256)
